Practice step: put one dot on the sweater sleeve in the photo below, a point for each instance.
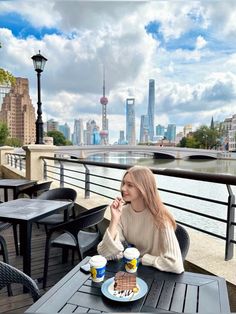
(170, 259)
(109, 248)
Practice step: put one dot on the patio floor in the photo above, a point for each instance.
(19, 302)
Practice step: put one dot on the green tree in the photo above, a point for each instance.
(15, 142)
(4, 133)
(58, 138)
(5, 76)
(207, 137)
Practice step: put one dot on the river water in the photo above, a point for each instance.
(204, 189)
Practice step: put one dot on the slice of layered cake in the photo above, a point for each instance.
(125, 281)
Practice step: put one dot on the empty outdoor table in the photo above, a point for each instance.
(15, 185)
(24, 212)
(167, 293)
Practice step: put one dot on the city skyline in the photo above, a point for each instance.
(182, 46)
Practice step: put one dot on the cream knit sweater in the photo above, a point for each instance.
(158, 247)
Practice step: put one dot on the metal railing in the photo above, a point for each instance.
(16, 160)
(85, 175)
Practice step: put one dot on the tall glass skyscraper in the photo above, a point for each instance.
(144, 129)
(151, 106)
(130, 121)
(171, 132)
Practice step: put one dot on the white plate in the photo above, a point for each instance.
(109, 292)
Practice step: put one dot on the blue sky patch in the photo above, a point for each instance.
(22, 29)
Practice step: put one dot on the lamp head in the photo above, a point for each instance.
(39, 62)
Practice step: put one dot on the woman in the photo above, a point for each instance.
(141, 219)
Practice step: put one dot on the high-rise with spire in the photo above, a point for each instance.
(104, 102)
(151, 107)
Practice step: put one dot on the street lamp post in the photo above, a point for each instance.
(39, 63)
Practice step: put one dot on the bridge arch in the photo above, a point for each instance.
(200, 157)
(163, 156)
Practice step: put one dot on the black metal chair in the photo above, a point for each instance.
(73, 237)
(183, 239)
(35, 190)
(6, 225)
(63, 194)
(10, 274)
(4, 253)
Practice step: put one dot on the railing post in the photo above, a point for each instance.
(45, 169)
(229, 246)
(62, 177)
(15, 160)
(87, 182)
(20, 163)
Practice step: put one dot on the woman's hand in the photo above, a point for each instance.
(116, 210)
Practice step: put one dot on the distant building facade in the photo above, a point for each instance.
(18, 112)
(65, 130)
(232, 135)
(122, 140)
(78, 134)
(92, 136)
(187, 129)
(160, 131)
(144, 124)
(130, 121)
(171, 132)
(52, 125)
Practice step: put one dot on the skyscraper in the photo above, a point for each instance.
(18, 112)
(151, 107)
(78, 135)
(65, 130)
(144, 129)
(171, 132)
(130, 121)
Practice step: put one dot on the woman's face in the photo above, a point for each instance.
(129, 191)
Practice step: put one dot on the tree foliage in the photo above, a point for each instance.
(6, 77)
(14, 142)
(204, 137)
(4, 133)
(58, 138)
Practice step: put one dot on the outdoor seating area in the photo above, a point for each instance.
(49, 258)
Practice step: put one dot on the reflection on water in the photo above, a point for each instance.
(200, 165)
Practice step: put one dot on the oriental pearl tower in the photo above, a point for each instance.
(104, 102)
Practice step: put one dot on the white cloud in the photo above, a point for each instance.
(199, 80)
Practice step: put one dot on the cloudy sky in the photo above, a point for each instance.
(188, 47)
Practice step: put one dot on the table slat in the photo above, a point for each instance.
(166, 295)
(177, 303)
(191, 299)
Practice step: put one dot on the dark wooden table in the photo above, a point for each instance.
(167, 293)
(15, 185)
(24, 212)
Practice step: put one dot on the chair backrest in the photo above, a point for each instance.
(3, 249)
(33, 191)
(86, 219)
(10, 274)
(59, 194)
(183, 239)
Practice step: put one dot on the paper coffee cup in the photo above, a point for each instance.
(97, 267)
(131, 259)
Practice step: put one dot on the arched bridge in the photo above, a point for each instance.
(157, 151)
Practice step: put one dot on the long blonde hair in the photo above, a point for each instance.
(144, 180)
